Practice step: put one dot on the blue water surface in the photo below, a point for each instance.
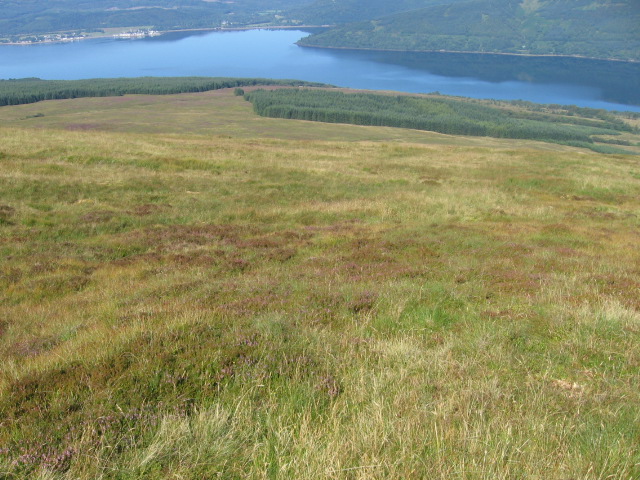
(274, 54)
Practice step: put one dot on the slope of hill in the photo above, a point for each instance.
(28, 17)
(224, 305)
(598, 29)
(323, 12)
(563, 125)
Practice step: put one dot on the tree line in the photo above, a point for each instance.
(31, 90)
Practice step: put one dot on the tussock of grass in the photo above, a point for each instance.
(194, 306)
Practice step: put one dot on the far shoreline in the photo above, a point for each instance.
(302, 27)
(160, 33)
(509, 54)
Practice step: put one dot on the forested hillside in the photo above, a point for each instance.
(599, 29)
(591, 28)
(332, 12)
(19, 17)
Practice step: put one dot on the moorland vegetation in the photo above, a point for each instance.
(190, 290)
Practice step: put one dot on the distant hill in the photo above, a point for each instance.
(591, 28)
(333, 12)
(36, 17)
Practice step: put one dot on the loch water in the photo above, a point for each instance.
(274, 54)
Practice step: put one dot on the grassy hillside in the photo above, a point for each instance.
(178, 300)
(599, 29)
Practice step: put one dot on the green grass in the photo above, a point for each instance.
(221, 302)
